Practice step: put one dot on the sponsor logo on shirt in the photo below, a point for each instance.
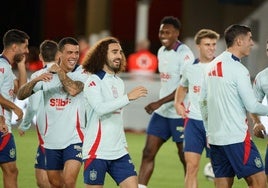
(164, 76)
(196, 89)
(59, 103)
(2, 70)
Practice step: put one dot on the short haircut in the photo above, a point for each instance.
(205, 33)
(234, 31)
(14, 36)
(48, 50)
(67, 40)
(172, 21)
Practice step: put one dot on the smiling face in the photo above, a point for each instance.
(168, 35)
(245, 42)
(69, 57)
(114, 58)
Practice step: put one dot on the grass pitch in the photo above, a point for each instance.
(168, 171)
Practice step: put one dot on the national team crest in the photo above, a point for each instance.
(258, 162)
(93, 175)
(12, 153)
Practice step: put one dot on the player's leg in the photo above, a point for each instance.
(176, 127)
(194, 144)
(192, 160)
(123, 172)
(42, 178)
(54, 167)
(157, 133)
(8, 161)
(40, 172)
(152, 145)
(10, 174)
(72, 158)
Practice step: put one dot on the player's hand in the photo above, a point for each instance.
(54, 68)
(181, 110)
(150, 108)
(21, 132)
(18, 112)
(259, 130)
(3, 129)
(137, 92)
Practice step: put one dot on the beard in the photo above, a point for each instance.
(18, 57)
(113, 68)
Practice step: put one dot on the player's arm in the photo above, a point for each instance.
(3, 126)
(178, 101)
(27, 89)
(150, 108)
(11, 106)
(71, 86)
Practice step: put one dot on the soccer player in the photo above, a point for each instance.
(15, 49)
(105, 146)
(226, 97)
(35, 107)
(165, 122)
(191, 82)
(64, 114)
(260, 87)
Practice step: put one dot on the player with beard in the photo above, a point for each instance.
(105, 146)
(15, 49)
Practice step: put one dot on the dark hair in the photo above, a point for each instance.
(205, 33)
(171, 20)
(67, 40)
(48, 50)
(233, 31)
(14, 36)
(96, 57)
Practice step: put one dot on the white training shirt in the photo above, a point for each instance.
(36, 108)
(7, 78)
(192, 78)
(170, 66)
(229, 96)
(64, 114)
(104, 134)
(260, 87)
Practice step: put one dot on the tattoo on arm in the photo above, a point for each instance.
(26, 90)
(69, 84)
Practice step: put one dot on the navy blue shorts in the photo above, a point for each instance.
(7, 148)
(40, 158)
(119, 169)
(195, 139)
(241, 159)
(166, 127)
(55, 159)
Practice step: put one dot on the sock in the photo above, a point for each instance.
(142, 186)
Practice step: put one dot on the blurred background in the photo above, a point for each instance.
(133, 20)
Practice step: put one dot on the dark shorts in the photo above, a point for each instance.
(55, 159)
(166, 127)
(7, 148)
(241, 159)
(119, 169)
(40, 158)
(195, 137)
